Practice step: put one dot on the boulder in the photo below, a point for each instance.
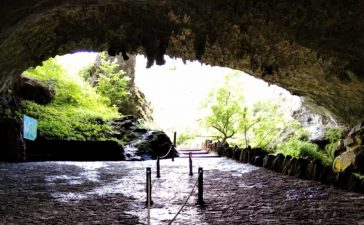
(11, 139)
(157, 143)
(237, 152)
(341, 179)
(318, 167)
(251, 156)
(244, 156)
(258, 161)
(291, 167)
(313, 170)
(33, 90)
(252, 153)
(268, 161)
(277, 164)
(229, 152)
(125, 122)
(353, 183)
(353, 154)
(286, 163)
(300, 168)
(359, 160)
(326, 175)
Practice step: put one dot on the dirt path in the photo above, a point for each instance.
(114, 193)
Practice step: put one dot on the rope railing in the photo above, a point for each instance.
(169, 151)
(188, 197)
(199, 183)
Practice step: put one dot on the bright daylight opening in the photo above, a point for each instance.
(101, 98)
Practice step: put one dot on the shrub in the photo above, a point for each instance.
(77, 112)
(302, 149)
(334, 135)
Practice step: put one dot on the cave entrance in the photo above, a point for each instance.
(88, 92)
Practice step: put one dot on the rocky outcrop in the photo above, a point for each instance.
(353, 151)
(137, 104)
(11, 139)
(312, 48)
(140, 143)
(33, 90)
(316, 124)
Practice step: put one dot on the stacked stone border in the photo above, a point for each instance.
(287, 165)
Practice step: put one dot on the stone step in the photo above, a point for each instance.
(194, 153)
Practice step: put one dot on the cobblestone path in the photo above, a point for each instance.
(114, 193)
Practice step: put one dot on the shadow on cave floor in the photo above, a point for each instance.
(114, 193)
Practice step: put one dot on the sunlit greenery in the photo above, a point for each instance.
(232, 119)
(263, 124)
(112, 82)
(333, 135)
(303, 149)
(77, 112)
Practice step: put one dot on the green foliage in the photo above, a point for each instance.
(302, 149)
(259, 125)
(112, 83)
(184, 138)
(359, 175)
(77, 112)
(334, 135)
(225, 109)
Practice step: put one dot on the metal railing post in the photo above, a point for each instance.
(158, 168)
(190, 156)
(149, 187)
(173, 148)
(200, 187)
(174, 138)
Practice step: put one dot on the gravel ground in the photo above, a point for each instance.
(114, 193)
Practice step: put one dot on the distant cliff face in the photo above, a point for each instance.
(312, 48)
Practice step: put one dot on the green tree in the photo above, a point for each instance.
(224, 114)
(229, 115)
(112, 82)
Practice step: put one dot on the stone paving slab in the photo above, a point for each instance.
(114, 193)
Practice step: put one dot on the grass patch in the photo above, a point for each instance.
(78, 112)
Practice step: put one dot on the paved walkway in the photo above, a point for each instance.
(114, 193)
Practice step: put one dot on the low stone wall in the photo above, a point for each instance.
(287, 165)
(73, 150)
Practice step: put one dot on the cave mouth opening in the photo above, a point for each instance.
(177, 96)
(83, 97)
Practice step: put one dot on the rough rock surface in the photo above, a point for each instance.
(11, 139)
(107, 193)
(352, 150)
(141, 144)
(33, 90)
(312, 48)
(137, 104)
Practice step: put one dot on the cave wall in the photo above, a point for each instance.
(313, 48)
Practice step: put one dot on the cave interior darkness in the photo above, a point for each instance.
(312, 49)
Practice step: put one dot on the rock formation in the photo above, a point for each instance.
(312, 48)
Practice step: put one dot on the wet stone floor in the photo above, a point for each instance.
(114, 193)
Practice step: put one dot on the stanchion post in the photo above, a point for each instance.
(174, 138)
(173, 151)
(149, 187)
(190, 156)
(200, 187)
(158, 168)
